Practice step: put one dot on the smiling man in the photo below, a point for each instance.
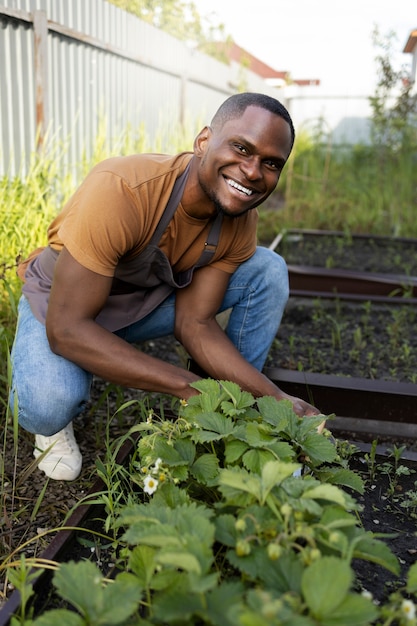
(151, 245)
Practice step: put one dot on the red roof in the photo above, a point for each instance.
(235, 53)
(412, 42)
(255, 65)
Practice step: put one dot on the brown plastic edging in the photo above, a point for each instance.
(351, 397)
(312, 281)
(339, 282)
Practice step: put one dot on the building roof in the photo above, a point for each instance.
(235, 53)
(412, 42)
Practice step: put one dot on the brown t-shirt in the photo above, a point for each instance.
(115, 211)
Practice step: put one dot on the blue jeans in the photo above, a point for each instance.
(51, 390)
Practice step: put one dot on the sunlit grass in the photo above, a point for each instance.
(355, 189)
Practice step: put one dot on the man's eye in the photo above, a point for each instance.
(271, 164)
(241, 148)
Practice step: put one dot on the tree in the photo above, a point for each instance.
(394, 106)
(181, 19)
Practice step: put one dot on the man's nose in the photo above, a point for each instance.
(251, 167)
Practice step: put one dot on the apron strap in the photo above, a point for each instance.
(212, 240)
(210, 245)
(171, 207)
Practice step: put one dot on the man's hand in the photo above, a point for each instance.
(302, 408)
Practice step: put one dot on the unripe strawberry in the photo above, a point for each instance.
(242, 547)
(274, 551)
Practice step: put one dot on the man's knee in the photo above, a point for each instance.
(273, 270)
(46, 413)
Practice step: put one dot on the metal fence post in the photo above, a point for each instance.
(40, 31)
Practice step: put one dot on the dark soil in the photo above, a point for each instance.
(390, 509)
(366, 340)
(374, 341)
(358, 253)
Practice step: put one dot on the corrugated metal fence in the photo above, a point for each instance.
(69, 66)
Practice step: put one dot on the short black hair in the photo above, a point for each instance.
(236, 105)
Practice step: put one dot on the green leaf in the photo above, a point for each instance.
(325, 585)
(327, 492)
(343, 477)
(371, 549)
(234, 449)
(257, 437)
(157, 536)
(120, 599)
(170, 495)
(179, 559)
(206, 386)
(273, 474)
(186, 450)
(318, 448)
(210, 395)
(281, 575)
(81, 584)
(176, 605)
(253, 614)
(206, 468)
(412, 579)
(165, 579)
(217, 425)
(225, 530)
(282, 451)
(240, 400)
(162, 449)
(277, 413)
(222, 600)
(59, 616)
(241, 480)
(246, 564)
(335, 517)
(142, 563)
(254, 460)
(355, 610)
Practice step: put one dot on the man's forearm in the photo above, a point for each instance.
(210, 347)
(100, 352)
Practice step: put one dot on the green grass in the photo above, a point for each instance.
(359, 189)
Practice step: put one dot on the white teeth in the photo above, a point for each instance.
(236, 185)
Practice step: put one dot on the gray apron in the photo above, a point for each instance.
(141, 284)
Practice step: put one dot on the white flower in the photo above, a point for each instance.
(157, 464)
(367, 594)
(408, 609)
(150, 485)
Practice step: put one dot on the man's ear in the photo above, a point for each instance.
(201, 141)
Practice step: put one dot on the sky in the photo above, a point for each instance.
(326, 39)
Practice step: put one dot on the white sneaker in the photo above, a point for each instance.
(63, 461)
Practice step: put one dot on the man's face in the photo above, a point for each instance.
(240, 163)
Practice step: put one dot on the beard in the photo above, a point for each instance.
(220, 208)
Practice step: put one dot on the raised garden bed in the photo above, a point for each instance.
(333, 263)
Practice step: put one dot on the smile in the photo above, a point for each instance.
(235, 185)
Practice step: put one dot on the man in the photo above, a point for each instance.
(151, 245)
